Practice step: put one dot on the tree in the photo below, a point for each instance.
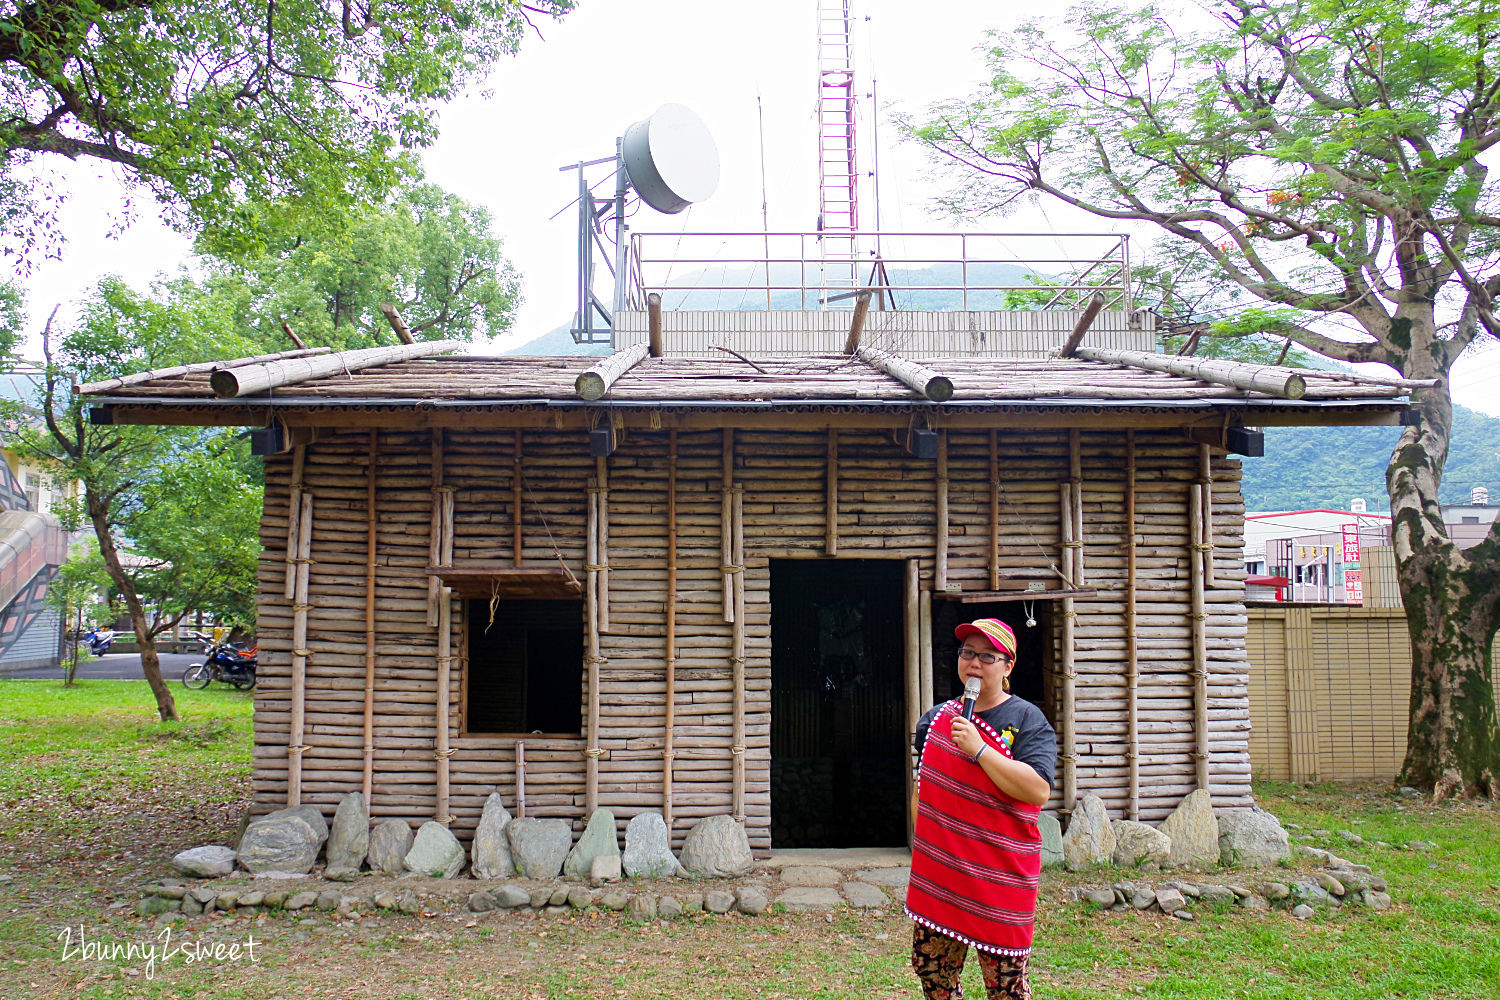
(214, 106)
(1322, 159)
(74, 594)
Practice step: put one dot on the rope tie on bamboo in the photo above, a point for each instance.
(1202, 547)
(304, 653)
(444, 754)
(1201, 616)
(596, 659)
(369, 749)
(1067, 757)
(593, 752)
(1198, 755)
(1070, 614)
(444, 489)
(737, 749)
(732, 569)
(734, 489)
(737, 659)
(1072, 545)
(293, 751)
(300, 560)
(445, 659)
(597, 489)
(596, 567)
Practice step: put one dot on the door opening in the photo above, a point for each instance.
(838, 742)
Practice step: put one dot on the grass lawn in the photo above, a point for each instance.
(95, 796)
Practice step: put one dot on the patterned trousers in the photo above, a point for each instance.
(939, 959)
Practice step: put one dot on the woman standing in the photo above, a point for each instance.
(976, 851)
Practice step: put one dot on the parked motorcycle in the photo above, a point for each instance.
(99, 639)
(225, 661)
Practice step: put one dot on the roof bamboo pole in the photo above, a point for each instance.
(1274, 381)
(601, 475)
(442, 751)
(726, 531)
(926, 695)
(738, 747)
(595, 382)
(1090, 312)
(1132, 653)
(655, 341)
(294, 514)
(1069, 752)
(295, 747)
(371, 526)
(940, 541)
(936, 387)
(521, 779)
(857, 322)
(994, 559)
(247, 379)
(1200, 635)
(831, 496)
(669, 752)
(912, 671)
(110, 384)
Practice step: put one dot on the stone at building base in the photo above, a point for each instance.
(539, 846)
(717, 848)
(435, 852)
(599, 840)
(648, 847)
(1090, 839)
(1251, 837)
(491, 845)
(349, 837)
(283, 841)
(389, 842)
(1139, 843)
(211, 861)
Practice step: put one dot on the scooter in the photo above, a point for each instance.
(225, 661)
(99, 639)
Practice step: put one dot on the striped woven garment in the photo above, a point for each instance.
(976, 852)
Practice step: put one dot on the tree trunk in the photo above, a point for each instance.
(1451, 614)
(98, 509)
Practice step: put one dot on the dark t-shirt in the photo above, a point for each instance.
(1035, 741)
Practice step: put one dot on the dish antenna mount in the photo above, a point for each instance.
(669, 160)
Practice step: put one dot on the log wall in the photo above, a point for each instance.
(885, 508)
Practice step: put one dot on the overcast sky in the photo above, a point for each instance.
(568, 94)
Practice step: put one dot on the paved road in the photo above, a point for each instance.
(119, 666)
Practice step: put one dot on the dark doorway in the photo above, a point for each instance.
(1028, 680)
(838, 741)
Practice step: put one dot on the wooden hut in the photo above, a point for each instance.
(726, 583)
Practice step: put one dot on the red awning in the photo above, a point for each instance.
(1255, 580)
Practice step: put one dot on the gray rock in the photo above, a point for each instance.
(150, 906)
(171, 891)
(752, 899)
(1170, 900)
(1251, 837)
(1355, 881)
(1254, 902)
(1143, 898)
(717, 847)
(615, 900)
(648, 847)
(1138, 843)
(1184, 915)
(1099, 897)
(340, 874)
(718, 901)
(1216, 894)
(510, 896)
(311, 814)
(1309, 891)
(605, 868)
(282, 841)
(1194, 832)
(811, 875)
(1277, 890)
(301, 900)
(253, 898)
(212, 861)
(1332, 885)
(1052, 839)
(539, 846)
(408, 903)
(349, 837)
(481, 902)
(692, 902)
(389, 842)
(435, 852)
(1090, 839)
(1351, 837)
(1302, 911)
(802, 899)
(862, 895)
(1421, 845)
(642, 907)
(330, 899)
(491, 846)
(191, 905)
(669, 907)
(559, 896)
(226, 900)
(580, 897)
(895, 878)
(599, 840)
(1377, 900)
(540, 898)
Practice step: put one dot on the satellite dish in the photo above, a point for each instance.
(670, 159)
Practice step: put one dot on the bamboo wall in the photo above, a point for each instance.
(1330, 691)
(887, 504)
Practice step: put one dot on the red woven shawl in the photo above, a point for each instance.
(976, 853)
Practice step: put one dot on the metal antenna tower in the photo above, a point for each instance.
(838, 176)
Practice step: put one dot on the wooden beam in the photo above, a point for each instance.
(857, 323)
(936, 387)
(393, 316)
(247, 379)
(1273, 381)
(595, 382)
(653, 320)
(287, 328)
(1090, 312)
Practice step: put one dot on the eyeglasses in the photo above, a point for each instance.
(974, 654)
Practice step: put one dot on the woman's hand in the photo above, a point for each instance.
(966, 735)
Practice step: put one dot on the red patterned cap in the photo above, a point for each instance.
(993, 629)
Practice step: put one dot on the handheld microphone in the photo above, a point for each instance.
(971, 694)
